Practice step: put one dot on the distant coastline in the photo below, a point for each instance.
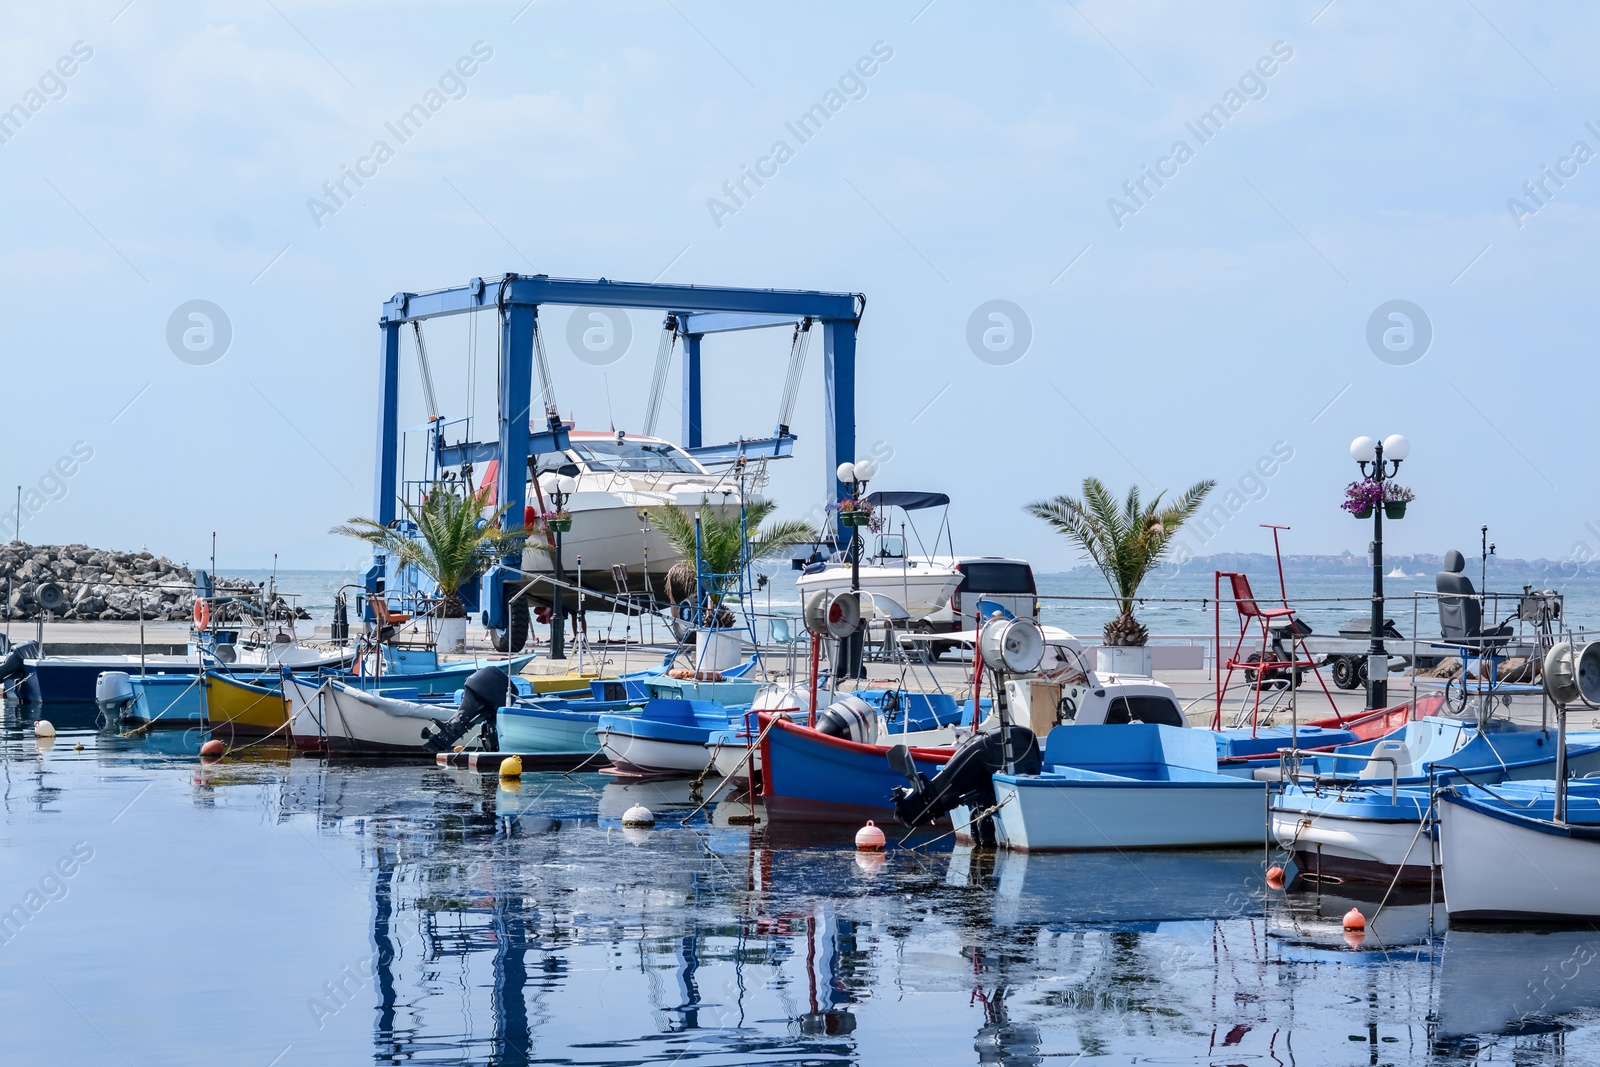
(1503, 570)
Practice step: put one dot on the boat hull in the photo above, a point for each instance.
(1038, 814)
(811, 777)
(1501, 867)
(653, 755)
(1349, 842)
(533, 731)
(920, 592)
(340, 720)
(242, 709)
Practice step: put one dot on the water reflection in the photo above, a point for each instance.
(513, 923)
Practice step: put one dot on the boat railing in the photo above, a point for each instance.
(1289, 768)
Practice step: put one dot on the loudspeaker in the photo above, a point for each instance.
(1589, 673)
(834, 616)
(50, 597)
(1561, 674)
(1015, 645)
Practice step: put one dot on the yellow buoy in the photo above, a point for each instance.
(511, 767)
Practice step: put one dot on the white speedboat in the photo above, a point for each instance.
(895, 583)
(620, 478)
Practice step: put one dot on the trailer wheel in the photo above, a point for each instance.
(515, 635)
(1346, 672)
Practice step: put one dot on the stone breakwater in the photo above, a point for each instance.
(99, 584)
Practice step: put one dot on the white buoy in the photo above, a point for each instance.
(44, 728)
(638, 815)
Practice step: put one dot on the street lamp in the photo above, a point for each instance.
(557, 488)
(1379, 461)
(855, 475)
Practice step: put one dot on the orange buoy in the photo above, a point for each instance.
(869, 838)
(213, 747)
(202, 613)
(1354, 920)
(1275, 877)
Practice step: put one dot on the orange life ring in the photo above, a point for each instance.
(202, 613)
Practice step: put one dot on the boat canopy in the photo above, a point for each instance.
(908, 501)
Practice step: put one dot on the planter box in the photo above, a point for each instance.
(717, 650)
(1124, 659)
(1364, 513)
(854, 518)
(452, 635)
(559, 525)
(1395, 509)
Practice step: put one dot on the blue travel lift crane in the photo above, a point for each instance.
(692, 312)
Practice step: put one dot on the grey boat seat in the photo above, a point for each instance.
(1461, 612)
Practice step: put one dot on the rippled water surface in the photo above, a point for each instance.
(274, 911)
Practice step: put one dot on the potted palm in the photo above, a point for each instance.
(454, 540)
(1125, 540)
(723, 550)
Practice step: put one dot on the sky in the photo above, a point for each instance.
(1381, 219)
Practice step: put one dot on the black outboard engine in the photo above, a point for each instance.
(12, 666)
(968, 779)
(483, 694)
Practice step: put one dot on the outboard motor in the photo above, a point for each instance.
(114, 695)
(482, 696)
(968, 779)
(13, 666)
(850, 718)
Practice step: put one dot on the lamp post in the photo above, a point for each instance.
(557, 489)
(1379, 461)
(856, 475)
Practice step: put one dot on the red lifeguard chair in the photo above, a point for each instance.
(1282, 651)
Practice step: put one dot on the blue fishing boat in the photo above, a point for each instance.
(1358, 814)
(810, 776)
(569, 723)
(1511, 855)
(1128, 786)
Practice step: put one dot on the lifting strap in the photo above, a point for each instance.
(428, 394)
(658, 384)
(547, 389)
(797, 367)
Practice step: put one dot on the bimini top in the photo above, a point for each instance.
(908, 501)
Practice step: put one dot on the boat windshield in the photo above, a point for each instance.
(635, 457)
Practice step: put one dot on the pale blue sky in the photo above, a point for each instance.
(1225, 317)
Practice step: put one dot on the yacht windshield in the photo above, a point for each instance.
(635, 457)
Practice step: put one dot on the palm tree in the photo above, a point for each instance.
(453, 542)
(722, 549)
(1125, 539)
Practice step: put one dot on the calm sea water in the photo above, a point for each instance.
(275, 911)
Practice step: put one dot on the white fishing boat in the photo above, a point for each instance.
(1506, 858)
(326, 715)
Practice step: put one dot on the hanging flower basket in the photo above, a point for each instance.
(558, 521)
(1362, 496)
(1395, 499)
(855, 518)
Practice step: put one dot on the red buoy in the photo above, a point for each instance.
(213, 747)
(1275, 877)
(1354, 920)
(869, 838)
